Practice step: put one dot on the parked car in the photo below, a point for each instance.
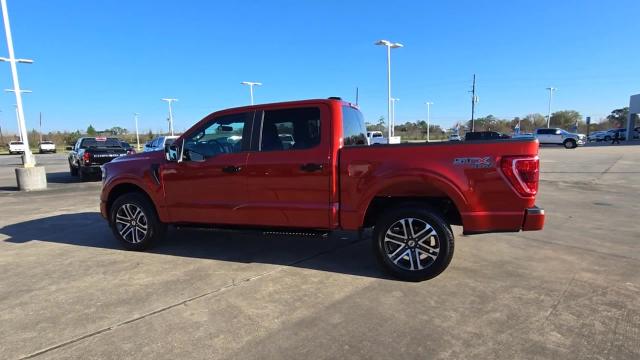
(16, 147)
(485, 135)
(159, 143)
(376, 137)
(89, 154)
(130, 149)
(560, 137)
(409, 194)
(455, 137)
(611, 133)
(46, 147)
(287, 140)
(596, 136)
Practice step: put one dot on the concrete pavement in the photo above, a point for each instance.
(570, 291)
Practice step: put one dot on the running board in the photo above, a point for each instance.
(321, 234)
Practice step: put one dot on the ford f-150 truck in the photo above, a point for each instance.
(89, 154)
(232, 169)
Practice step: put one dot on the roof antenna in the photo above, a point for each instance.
(356, 96)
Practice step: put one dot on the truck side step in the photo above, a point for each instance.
(307, 233)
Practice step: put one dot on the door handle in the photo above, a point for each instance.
(231, 169)
(310, 167)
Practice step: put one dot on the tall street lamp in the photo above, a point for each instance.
(251, 84)
(18, 113)
(389, 46)
(551, 90)
(428, 103)
(393, 116)
(27, 159)
(169, 101)
(135, 118)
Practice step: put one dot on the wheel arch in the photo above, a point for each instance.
(124, 188)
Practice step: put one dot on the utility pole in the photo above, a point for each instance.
(474, 100)
(551, 90)
(356, 96)
(169, 101)
(428, 103)
(41, 127)
(135, 118)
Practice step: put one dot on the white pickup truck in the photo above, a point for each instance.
(16, 147)
(46, 146)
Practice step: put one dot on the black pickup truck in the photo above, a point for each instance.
(90, 153)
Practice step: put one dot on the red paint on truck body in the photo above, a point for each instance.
(271, 190)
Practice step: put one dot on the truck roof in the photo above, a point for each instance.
(288, 103)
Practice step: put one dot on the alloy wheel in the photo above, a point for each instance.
(411, 244)
(131, 223)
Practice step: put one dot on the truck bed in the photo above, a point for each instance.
(467, 175)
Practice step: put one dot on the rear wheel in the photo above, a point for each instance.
(607, 138)
(413, 243)
(134, 222)
(73, 170)
(84, 176)
(570, 144)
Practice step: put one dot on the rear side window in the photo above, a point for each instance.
(353, 128)
(290, 129)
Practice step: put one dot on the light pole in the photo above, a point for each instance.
(18, 113)
(251, 84)
(27, 159)
(135, 118)
(393, 116)
(551, 90)
(428, 103)
(169, 101)
(389, 46)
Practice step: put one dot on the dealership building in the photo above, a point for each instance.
(633, 120)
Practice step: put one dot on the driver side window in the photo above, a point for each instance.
(223, 135)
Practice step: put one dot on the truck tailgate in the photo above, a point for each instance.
(468, 174)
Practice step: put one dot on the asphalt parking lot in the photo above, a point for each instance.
(67, 290)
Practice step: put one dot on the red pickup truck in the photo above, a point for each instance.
(307, 165)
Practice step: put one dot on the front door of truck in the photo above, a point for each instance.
(209, 185)
(289, 173)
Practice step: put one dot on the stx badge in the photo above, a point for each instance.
(474, 162)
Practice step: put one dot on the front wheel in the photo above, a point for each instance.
(413, 243)
(570, 144)
(134, 222)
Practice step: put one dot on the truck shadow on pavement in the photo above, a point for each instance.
(339, 254)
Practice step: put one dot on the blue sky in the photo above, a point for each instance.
(100, 61)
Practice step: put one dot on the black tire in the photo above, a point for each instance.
(570, 144)
(126, 205)
(386, 245)
(73, 170)
(607, 138)
(84, 176)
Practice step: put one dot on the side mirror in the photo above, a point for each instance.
(173, 152)
(68, 148)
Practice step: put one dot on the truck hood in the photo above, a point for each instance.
(143, 157)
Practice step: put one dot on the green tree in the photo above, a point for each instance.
(91, 131)
(566, 119)
(618, 117)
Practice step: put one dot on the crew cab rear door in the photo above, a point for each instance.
(288, 171)
(209, 185)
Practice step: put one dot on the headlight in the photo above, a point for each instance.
(103, 170)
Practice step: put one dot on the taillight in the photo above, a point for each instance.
(86, 157)
(523, 173)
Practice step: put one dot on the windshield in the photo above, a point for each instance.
(100, 143)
